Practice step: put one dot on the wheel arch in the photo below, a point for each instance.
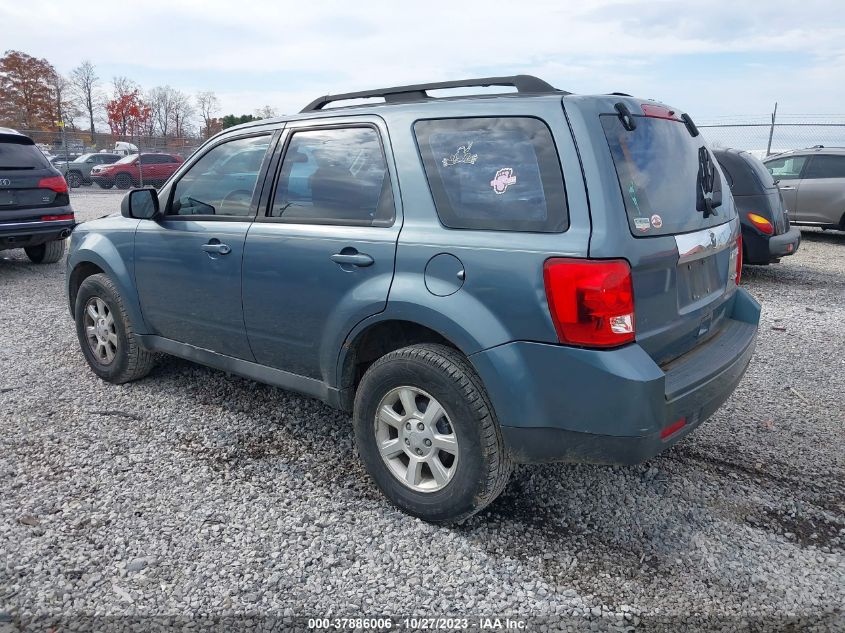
(377, 337)
(97, 255)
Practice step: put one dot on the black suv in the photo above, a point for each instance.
(35, 211)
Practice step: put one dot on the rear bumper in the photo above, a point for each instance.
(786, 244)
(32, 233)
(763, 249)
(557, 403)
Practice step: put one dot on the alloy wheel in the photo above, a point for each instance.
(100, 330)
(416, 440)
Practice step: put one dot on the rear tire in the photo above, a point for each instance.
(123, 181)
(106, 335)
(74, 179)
(48, 253)
(472, 465)
(103, 185)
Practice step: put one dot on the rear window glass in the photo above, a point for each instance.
(760, 171)
(20, 156)
(498, 173)
(657, 165)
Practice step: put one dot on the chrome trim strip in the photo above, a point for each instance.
(693, 246)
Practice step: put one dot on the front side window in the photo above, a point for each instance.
(786, 168)
(826, 167)
(494, 173)
(219, 183)
(334, 176)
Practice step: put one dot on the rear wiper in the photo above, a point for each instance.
(709, 185)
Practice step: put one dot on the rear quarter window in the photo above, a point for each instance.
(494, 173)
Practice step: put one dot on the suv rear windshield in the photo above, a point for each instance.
(494, 173)
(657, 165)
(15, 155)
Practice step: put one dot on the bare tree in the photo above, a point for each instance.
(84, 85)
(208, 105)
(63, 108)
(267, 112)
(183, 111)
(162, 101)
(123, 87)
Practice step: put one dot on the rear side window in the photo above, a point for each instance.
(788, 168)
(826, 167)
(21, 156)
(496, 173)
(334, 176)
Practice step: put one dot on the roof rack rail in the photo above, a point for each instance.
(418, 92)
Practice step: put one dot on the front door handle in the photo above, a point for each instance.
(215, 246)
(785, 187)
(351, 257)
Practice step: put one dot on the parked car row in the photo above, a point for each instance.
(115, 170)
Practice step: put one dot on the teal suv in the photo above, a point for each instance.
(480, 280)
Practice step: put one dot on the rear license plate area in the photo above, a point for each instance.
(7, 198)
(698, 280)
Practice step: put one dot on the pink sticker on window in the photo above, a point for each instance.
(503, 179)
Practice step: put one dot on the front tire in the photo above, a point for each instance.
(105, 185)
(48, 253)
(123, 181)
(106, 335)
(428, 435)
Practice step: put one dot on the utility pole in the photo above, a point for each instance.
(772, 130)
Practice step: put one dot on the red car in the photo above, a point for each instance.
(153, 169)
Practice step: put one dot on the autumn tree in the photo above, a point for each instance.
(127, 114)
(26, 94)
(208, 105)
(84, 85)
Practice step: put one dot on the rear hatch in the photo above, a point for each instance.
(29, 185)
(669, 213)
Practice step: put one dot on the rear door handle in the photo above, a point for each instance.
(216, 247)
(353, 258)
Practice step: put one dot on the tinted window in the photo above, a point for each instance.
(760, 172)
(788, 168)
(494, 173)
(213, 187)
(107, 159)
(21, 156)
(826, 167)
(148, 159)
(657, 164)
(127, 160)
(334, 176)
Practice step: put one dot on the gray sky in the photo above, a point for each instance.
(712, 58)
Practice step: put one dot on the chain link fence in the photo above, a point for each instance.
(788, 132)
(70, 144)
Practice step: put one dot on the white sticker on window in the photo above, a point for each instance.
(463, 155)
(503, 179)
(642, 224)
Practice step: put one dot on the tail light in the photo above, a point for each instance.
(54, 183)
(761, 223)
(57, 218)
(655, 111)
(591, 301)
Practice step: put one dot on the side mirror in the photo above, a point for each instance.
(141, 204)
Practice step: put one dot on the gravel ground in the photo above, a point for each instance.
(193, 491)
